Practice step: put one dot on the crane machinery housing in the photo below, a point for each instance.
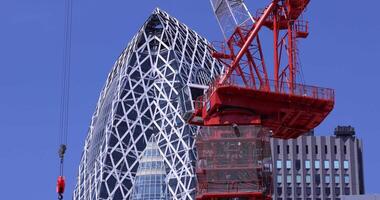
(246, 105)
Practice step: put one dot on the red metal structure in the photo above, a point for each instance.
(233, 162)
(245, 95)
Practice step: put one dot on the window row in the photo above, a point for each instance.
(317, 164)
(317, 179)
(151, 152)
(151, 165)
(308, 191)
(316, 149)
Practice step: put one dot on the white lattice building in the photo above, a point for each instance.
(163, 65)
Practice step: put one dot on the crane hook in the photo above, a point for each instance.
(60, 187)
(61, 179)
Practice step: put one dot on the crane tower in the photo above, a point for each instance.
(253, 99)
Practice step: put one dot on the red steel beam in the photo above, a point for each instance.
(249, 40)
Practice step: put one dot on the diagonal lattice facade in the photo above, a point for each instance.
(165, 64)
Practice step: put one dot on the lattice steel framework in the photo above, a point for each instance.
(141, 98)
(231, 14)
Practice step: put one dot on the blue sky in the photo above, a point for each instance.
(341, 52)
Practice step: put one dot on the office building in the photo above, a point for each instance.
(361, 197)
(164, 64)
(318, 167)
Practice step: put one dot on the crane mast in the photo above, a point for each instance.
(253, 99)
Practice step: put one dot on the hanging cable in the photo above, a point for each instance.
(65, 94)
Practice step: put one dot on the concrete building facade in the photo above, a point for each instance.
(361, 197)
(318, 167)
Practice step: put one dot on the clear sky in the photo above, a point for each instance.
(341, 52)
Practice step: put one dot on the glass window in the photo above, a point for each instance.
(326, 164)
(298, 164)
(327, 179)
(298, 179)
(327, 191)
(308, 191)
(346, 179)
(287, 149)
(279, 191)
(288, 179)
(288, 164)
(279, 179)
(337, 179)
(345, 164)
(318, 191)
(307, 164)
(336, 164)
(308, 179)
(337, 191)
(345, 149)
(317, 164)
(316, 149)
(299, 192)
(347, 191)
(289, 191)
(279, 164)
(278, 149)
(317, 178)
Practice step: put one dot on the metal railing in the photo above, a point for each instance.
(301, 26)
(294, 89)
(222, 186)
(298, 90)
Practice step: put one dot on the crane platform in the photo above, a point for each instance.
(289, 113)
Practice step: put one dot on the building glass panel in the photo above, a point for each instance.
(336, 164)
(327, 179)
(298, 164)
(337, 179)
(279, 179)
(308, 178)
(346, 179)
(346, 164)
(288, 179)
(298, 179)
(288, 164)
(337, 191)
(317, 164)
(279, 164)
(150, 182)
(326, 164)
(307, 164)
(347, 191)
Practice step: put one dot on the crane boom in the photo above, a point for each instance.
(252, 34)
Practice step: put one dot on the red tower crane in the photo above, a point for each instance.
(251, 102)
